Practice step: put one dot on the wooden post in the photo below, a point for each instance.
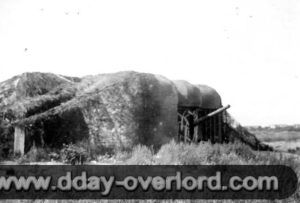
(19, 140)
(196, 134)
(220, 135)
(211, 130)
(205, 126)
(216, 135)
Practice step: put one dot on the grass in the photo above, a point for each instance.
(195, 154)
(208, 154)
(202, 154)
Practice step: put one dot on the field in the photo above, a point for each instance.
(280, 139)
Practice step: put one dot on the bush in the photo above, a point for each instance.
(73, 154)
(141, 155)
(206, 153)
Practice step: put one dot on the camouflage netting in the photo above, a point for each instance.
(116, 111)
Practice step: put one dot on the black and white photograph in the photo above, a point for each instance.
(149, 101)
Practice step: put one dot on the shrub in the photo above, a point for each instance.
(141, 155)
(73, 154)
(169, 153)
(199, 154)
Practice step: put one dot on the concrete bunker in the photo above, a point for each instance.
(201, 116)
(120, 110)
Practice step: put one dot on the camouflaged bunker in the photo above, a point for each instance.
(116, 111)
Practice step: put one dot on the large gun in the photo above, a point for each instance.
(220, 110)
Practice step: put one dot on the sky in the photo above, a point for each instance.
(249, 51)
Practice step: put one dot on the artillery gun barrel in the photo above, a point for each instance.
(199, 120)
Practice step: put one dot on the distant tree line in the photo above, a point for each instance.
(295, 128)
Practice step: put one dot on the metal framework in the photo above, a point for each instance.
(198, 124)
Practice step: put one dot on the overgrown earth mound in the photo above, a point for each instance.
(108, 111)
